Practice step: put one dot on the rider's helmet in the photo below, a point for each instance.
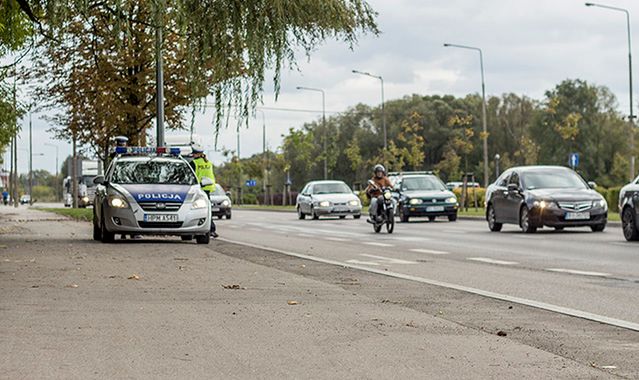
(379, 170)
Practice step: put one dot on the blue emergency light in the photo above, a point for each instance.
(145, 150)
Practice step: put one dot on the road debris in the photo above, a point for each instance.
(234, 287)
(72, 286)
(293, 303)
(501, 333)
(133, 277)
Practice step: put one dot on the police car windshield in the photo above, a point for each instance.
(153, 171)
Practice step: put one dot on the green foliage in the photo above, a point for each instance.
(469, 201)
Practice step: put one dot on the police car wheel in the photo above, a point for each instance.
(219, 216)
(107, 237)
(203, 239)
(186, 237)
(97, 234)
(228, 216)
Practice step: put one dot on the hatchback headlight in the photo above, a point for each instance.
(415, 201)
(354, 203)
(117, 201)
(324, 204)
(451, 200)
(199, 202)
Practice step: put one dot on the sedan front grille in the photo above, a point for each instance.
(575, 206)
(160, 206)
(160, 224)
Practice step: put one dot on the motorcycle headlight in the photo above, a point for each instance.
(324, 203)
(199, 202)
(84, 199)
(388, 195)
(354, 203)
(600, 203)
(117, 201)
(415, 201)
(451, 200)
(225, 203)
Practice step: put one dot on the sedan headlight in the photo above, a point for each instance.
(324, 204)
(600, 203)
(199, 202)
(415, 201)
(544, 204)
(117, 201)
(451, 200)
(226, 203)
(354, 203)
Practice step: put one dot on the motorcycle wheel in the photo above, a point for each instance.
(377, 228)
(390, 222)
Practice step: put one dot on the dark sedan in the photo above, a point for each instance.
(424, 195)
(629, 209)
(538, 196)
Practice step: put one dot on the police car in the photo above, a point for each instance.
(150, 191)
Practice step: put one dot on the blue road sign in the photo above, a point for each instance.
(573, 160)
(251, 183)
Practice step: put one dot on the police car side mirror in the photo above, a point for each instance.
(228, 194)
(98, 180)
(206, 182)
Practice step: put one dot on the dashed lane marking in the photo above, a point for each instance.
(485, 293)
(388, 260)
(429, 251)
(492, 261)
(579, 272)
(362, 262)
(335, 239)
(377, 244)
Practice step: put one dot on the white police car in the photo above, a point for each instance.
(147, 192)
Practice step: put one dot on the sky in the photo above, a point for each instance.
(529, 46)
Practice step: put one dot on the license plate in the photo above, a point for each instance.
(434, 208)
(577, 215)
(215, 209)
(160, 217)
(340, 209)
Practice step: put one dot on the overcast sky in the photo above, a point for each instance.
(529, 46)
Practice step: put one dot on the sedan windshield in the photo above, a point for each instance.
(153, 171)
(331, 188)
(422, 183)
(553, 179)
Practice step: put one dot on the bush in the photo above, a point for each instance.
(612, 197)
(470, 200)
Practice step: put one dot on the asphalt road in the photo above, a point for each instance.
(590, 272)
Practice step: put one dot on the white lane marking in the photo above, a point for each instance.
(485, 293)
(429, 251)
(256, 229)
(335, 239)
(388, 260)
(377, 244)
(362, 262)
(492, 261)
(305, 235)
(409, 238)
(579, 272)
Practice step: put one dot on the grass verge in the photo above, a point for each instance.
(83, 214)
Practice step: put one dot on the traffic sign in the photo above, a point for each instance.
(573, 160)
(251, 183)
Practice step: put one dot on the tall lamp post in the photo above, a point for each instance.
(383, 111)
(632, 115)
(323, 124)
(264, 158)
(483, 106)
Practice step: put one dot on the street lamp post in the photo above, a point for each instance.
(30, 159)
(497, 157)
(323, 124)
(483, 106)
(632, 115)
(264, 159)
(383, 111)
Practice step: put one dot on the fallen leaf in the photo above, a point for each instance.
(134, 277)
(293, 303)
(72, 286)
(112, 276)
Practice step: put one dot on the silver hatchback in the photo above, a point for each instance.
(328, 198)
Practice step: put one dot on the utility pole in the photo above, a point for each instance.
(383, 111)
(74, 172)
(30, 159)
(159, 72)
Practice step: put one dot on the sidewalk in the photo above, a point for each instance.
(75, 308)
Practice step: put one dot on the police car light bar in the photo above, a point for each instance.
(146, 150)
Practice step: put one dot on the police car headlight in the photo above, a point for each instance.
(117, 201)
(199, 202)
(324, 204)
(354, 203)
(226, 203)
(415, 201)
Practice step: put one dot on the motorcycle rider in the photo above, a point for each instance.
(204, 168)
(374, 192)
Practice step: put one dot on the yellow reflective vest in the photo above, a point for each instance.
(204, 168)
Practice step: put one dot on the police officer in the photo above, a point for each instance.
(204, 168)
(120, 141)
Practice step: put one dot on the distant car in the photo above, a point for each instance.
(629, 209)
(424, 195)
(328, 198)
(25, 199)
(457, 185)
(220, 203)
(537, 196)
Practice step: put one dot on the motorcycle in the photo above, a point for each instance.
(386, 213)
